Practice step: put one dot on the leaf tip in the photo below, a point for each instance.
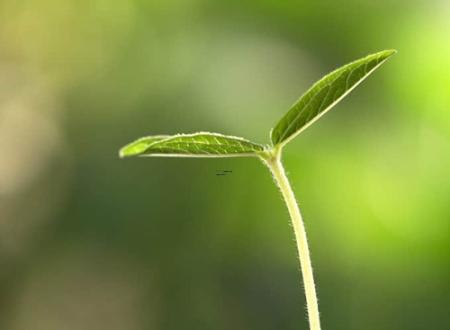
(123, 152)
(133, 149)
(388, 52)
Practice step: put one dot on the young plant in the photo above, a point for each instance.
(320, 98)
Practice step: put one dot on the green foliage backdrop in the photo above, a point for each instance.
(89, 241)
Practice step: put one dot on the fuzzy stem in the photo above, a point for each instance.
(277, 169)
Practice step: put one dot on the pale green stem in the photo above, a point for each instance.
(276, 167)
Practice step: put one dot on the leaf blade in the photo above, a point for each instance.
(201, 144)
(325, 94)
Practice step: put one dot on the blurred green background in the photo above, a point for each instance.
(88, 241)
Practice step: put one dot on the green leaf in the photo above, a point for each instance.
(324, 94)
(200, 144)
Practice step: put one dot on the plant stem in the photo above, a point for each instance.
(277, 169)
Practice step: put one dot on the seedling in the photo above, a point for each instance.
(320, 98)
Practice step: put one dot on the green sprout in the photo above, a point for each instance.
(320, 98)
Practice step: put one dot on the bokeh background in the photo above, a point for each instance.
(88, 241)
